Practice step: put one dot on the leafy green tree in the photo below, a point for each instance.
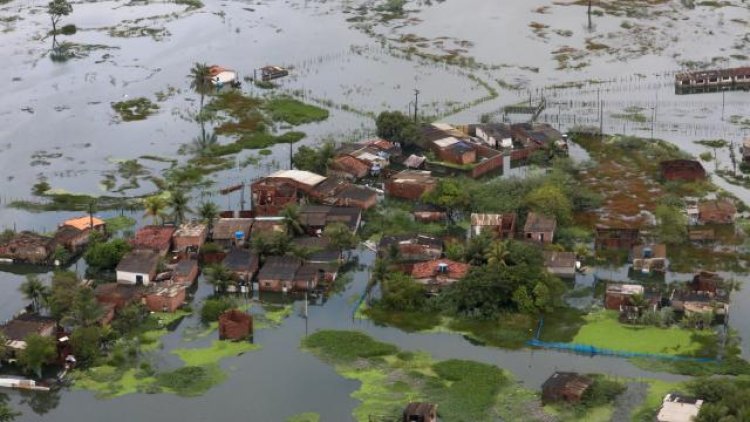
(292, 220)
(450, 195)
(4, 348)
(551, 200)
(523, 300)
(39, 351)
(208, 211)
(455, 250)
(340, 236)
(397, 127)
(214, 307)
(56, 10)
(220, 277)
(671, 224)
(402, 293)
(86, 343)
(128, 318)
(7, 414)
(154, 207)
(63, 293)
(86, 311)
(266, 244)
(179, 202)
(477, 249)
(315, 160)
(35, 290)
(104, 256)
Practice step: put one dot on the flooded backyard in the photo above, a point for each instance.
(468, 59)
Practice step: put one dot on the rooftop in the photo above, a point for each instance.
(625, 289)
(226, 228)
(300, 176)
(23, 325)
(191, 230)
(437, 267)
(676, 408)
(139, 261)
(83, 223)
(486, 219)
(279, 268)
(559, 259)
(153, 237)
(536, 222)
(414, 176)
(240, 260)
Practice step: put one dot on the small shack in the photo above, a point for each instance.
(277, 274)
(565, 386)
(678, 408)
(500, 226)
(235, 325)
(539, 228)
(165, 297)
(420, 412)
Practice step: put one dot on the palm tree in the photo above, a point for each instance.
(200, 81)
(208, 212)
(497, 254)
(639, 301)
(202, 145)
(292, 220)
(155, 206)
(220, 277)
(179, 203)
(33, 289)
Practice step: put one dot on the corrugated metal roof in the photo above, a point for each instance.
(300, 176)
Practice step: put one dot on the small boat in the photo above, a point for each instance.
(269, 73)
(221, 76)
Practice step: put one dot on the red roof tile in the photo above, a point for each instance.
(427, 269)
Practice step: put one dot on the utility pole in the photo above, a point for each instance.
(601, 119)
(416, 103)
(653, 120)
(290, 156)
(722, 104)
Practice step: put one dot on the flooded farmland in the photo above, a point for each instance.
(468, 59)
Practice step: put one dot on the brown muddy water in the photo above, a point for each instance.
(57, 124)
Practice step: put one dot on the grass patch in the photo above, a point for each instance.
(304, 417)
(135, 109)
(465, 390)
(604, 330)
(294, 112)
(216, 352)
(191, 381)
(276, 314)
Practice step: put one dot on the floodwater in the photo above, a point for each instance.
(57, 124)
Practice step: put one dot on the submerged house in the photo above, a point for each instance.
(165, 296)
(277, 273)
(565, 386)
(19, 328)
(235, 325)
(539, 228)
(500, 226)
(138, 267)
(242, 263)
(28, 247)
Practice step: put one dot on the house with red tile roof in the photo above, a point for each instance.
(439, 273)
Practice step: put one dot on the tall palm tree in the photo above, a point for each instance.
(497, 254)
(179, 203)
(154, 206)
(208, 212)
(202, 145)
(200, 81)
(33, 289)
(292, 220)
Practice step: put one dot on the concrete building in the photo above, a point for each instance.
(138, 267)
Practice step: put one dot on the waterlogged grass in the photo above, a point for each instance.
(216, 352)
(110, 382)
(465, 390)
(604, 330)
(305, 417)
(294, 112)
(136, 109)
(190, 381)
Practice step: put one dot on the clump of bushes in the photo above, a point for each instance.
(214, 307)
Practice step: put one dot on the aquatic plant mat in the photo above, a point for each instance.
(465, 390)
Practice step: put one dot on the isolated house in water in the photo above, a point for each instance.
(235, 325)
(565, 386)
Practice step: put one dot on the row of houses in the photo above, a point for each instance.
(72, 235)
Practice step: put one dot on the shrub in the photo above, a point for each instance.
(214, 307)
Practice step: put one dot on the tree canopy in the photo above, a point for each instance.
(39, 351)
(315, 160)
(397, 127)
(104, 256)
(402, 293)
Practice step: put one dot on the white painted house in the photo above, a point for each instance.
(138, 267)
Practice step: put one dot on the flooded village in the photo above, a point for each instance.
(388, 210)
